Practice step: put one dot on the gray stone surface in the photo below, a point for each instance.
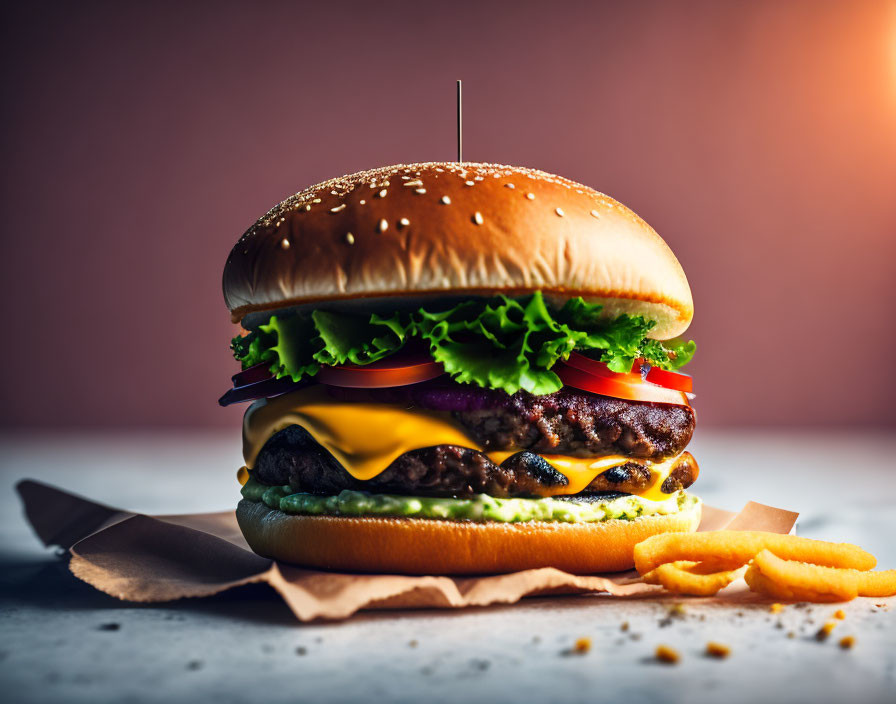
(63, 641)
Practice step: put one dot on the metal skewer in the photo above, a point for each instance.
(460, 138)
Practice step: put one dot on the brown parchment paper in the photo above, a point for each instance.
(135, 557)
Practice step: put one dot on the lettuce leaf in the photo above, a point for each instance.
(249, 349)
(501, 343)
(351, 339)
(509, 345)
(669, 354)
(292, 346)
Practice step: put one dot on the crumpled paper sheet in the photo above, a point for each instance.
(135, 557)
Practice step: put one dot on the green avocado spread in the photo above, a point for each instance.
(480, 507)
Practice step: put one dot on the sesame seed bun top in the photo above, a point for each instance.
(415, 230)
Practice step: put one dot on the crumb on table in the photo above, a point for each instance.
(847, 642)
(717, 650)
(667, 654)
(582, 645)
(825, 630)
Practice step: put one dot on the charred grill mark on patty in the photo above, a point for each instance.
(293, 457)
(684, 474)
(631, 474)
(535, 467)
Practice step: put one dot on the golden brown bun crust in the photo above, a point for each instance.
(418, 230)
(428, 546)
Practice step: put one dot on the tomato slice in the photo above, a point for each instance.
(671, 380)
(595, 368)
(606, 386)
(378, 375)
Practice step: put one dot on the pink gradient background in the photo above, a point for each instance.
(759, 139)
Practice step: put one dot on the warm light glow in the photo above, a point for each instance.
(893, 38)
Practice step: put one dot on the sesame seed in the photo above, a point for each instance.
(338, 208)
(385, 183)
(316, 200)
(595, 213)
(509, 185)
(477, 218)
(530, 196)
(415, 182)
(421, 191)
(559, 212)
(284, 243)
(382, 193)
(334, 193)
(362, 202)
(307, 207)
(405, 178)
(404, 222)
(446, 200)
(477, 178)
(470, 183)
(349, 237)
(383, 226)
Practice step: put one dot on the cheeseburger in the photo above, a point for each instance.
(460, 368)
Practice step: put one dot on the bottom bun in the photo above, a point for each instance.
(430, 546)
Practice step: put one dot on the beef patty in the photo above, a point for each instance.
(583, 425)
(566, 422)
(293, 457)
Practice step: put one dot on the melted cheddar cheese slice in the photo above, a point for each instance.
(367, 437)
